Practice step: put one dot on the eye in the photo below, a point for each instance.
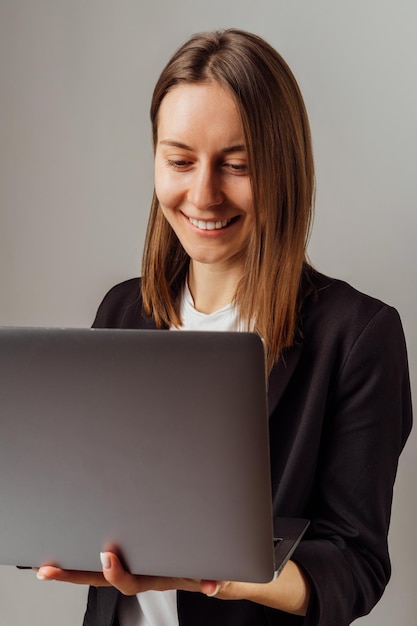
(178, 164)
(237, 168)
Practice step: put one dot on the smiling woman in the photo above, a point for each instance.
(234, 96)
(226, 250)
(202, 182)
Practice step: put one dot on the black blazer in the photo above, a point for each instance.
(340, 413)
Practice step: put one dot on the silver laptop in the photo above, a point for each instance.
(154, 443)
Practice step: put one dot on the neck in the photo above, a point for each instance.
(211, 288)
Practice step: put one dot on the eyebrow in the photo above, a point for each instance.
(184, 146)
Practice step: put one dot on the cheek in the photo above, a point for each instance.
(161, 189)
(167, 189)
(167, 199)
(247, 204)
(241, 194)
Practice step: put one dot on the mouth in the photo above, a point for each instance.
(208, 224)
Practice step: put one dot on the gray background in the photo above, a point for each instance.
(76, 180)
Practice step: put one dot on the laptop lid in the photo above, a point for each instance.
(152, 441)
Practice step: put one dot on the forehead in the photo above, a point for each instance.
(202, 109)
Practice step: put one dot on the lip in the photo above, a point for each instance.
(209, 226)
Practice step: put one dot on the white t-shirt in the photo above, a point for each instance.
(159, 608)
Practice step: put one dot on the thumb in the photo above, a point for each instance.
(210, 587)
(115, 573)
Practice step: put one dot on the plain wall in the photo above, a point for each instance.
(76, 181)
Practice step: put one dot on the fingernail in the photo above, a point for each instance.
(40, 576)
(214, 593)
(105, 561)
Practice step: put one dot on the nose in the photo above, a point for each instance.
(205, 188)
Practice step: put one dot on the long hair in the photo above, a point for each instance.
(280, 159)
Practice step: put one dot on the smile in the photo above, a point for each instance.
(206, 225)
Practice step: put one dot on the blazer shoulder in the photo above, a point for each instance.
(332, 295)
(121, 307)
(333, 308)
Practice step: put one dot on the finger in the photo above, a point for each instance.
(130, 584)
(210, 587)
(49, 572)
(117, 576)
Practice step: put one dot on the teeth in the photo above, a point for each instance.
(209, 225)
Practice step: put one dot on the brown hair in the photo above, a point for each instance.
(280, 160)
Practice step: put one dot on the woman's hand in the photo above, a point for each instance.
(115, 575)
(290, 592)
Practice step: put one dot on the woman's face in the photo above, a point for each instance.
(201, 174)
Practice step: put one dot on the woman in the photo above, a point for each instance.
(226, 249)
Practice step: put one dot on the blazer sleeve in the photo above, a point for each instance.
(368, 418)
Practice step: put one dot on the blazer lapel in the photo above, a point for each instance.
(101, 607)
(281, 374)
